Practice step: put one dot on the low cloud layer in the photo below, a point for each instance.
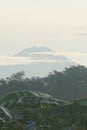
(14, 60)
(24, 60)
(79, 58)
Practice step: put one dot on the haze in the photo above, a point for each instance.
(60, 25)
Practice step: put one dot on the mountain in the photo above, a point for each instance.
(35, 61)
(27, 51)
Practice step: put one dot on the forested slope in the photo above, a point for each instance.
(68, 85)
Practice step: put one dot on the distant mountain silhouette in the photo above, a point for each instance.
(27, 51)
(44, 60)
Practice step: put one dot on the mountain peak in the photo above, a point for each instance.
(35, 49)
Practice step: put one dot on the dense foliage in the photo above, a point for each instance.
(68, 85)
(18, 109)
(22, 103)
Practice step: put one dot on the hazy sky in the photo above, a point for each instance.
(58, 24)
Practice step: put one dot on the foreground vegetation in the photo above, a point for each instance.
(18, 109)
(23, 107)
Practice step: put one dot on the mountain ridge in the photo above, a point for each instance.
(35, 62)
(27, 51)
